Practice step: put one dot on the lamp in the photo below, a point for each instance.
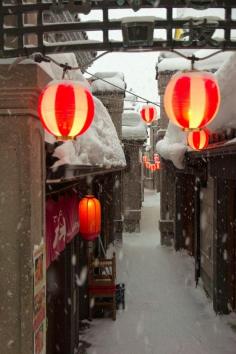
(66, 109)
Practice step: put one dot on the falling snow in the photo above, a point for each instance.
(165, 313)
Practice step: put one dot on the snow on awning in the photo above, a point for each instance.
(133, 127)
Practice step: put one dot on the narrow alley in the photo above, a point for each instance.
(165, 313)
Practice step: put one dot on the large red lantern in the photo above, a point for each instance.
(198, 140)
(148, 113)
(66, 109)
(89, 213)
(192, 99)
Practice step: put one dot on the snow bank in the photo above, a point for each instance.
(99, 146)
(133, 128)
(111, 78)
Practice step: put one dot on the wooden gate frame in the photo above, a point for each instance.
(198, 32)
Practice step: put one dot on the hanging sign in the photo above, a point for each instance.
(62, 224)
(39, 315)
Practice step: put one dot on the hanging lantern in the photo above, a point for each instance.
(66, 109)
(192, 99)
(89, 213)
(145, 158)
(153, 167)
(198, 140)
(157, 165)
(147, 164)
(148, 113)
(156, 157)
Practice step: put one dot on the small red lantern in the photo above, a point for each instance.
(192, 99)
(89, 213)
(156, 158)
(198, 140)
(153, 167)
(66, 109)
(147, 164)
(148, 113)
(145, 158)
(157, 165)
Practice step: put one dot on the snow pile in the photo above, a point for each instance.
(226, 76)
(98, 146)
(108, 81)
(173, 146)
(133, 127)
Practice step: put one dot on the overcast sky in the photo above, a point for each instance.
(138, 68)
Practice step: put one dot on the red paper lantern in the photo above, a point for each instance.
(156, 157)
(66, 109)
(153, 167)
(198, 140)
(147, 164)
(192, 99)
(157, 165)
(89, 213)
(145, 158)
(148, 113)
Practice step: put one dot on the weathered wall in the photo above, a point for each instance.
(114, 102)
(206, 234)
(21, 202)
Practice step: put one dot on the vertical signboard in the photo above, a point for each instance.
(39, 319)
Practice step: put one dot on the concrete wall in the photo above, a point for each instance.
(206, 234)
(21, 201)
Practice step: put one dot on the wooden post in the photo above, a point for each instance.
(220, 267)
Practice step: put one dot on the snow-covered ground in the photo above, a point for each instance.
(165, 313)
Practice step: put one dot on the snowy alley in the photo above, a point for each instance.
(165, 313)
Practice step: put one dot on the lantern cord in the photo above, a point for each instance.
(193, 58)
(121, 89)
(38, 57)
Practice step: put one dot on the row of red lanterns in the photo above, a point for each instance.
(191, 101)
(66, 109)
(152, 166)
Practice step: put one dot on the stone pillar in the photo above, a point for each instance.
(21, 201)
(167, 202)
(132, 186)
(114, 103)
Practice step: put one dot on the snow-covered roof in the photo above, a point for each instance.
(133, 128)
(179, 63)
(115, 78)
(173, 146)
